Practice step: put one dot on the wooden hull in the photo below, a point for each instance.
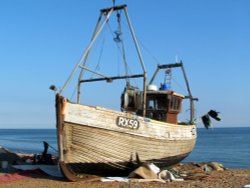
(94, 140)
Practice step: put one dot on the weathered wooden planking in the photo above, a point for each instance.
(90, 140)
(104, 118)
(95, 145)
(94, 131)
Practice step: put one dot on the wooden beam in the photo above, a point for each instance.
(168, 66)
(114, 8)
(110, 79)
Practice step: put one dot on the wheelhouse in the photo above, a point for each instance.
(164, 105)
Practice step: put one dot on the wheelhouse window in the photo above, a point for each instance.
(157, 103)
(175, 104)
(152, 104)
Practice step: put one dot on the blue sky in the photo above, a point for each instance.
(41, 41)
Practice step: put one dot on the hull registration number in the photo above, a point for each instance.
(127, 123)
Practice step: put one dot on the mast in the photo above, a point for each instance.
(107, 12)
(85, 60)
(191, 99)
(86, 51)
(142, 64)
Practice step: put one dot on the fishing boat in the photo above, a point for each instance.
(98, 140)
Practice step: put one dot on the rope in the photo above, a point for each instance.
(73, 94)
(149, 52)
(86, 52)
(121, 51)
(153, 57)
(145, 48)
(100, 55)
(179, 85)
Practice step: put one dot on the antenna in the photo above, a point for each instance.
(176, 59)
(113, 2)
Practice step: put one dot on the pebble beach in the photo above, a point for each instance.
(195, 176)
(229, 178)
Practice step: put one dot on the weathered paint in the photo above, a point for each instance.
(90, 135)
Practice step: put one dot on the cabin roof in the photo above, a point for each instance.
(164, 92)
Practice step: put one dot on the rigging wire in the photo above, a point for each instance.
(93, 50)
(118, 61)
(153, 57)
(179, 85)
(113, 36)
(100, 55)
(118, 47)
(119, 44)
(149, 52)
(119, 40)
(112, 33)
(120, 50)
(73, 93)
(144, 46)
(90, 58)
(127, 68)
(99, 44)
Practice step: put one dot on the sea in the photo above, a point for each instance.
(229, 146)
